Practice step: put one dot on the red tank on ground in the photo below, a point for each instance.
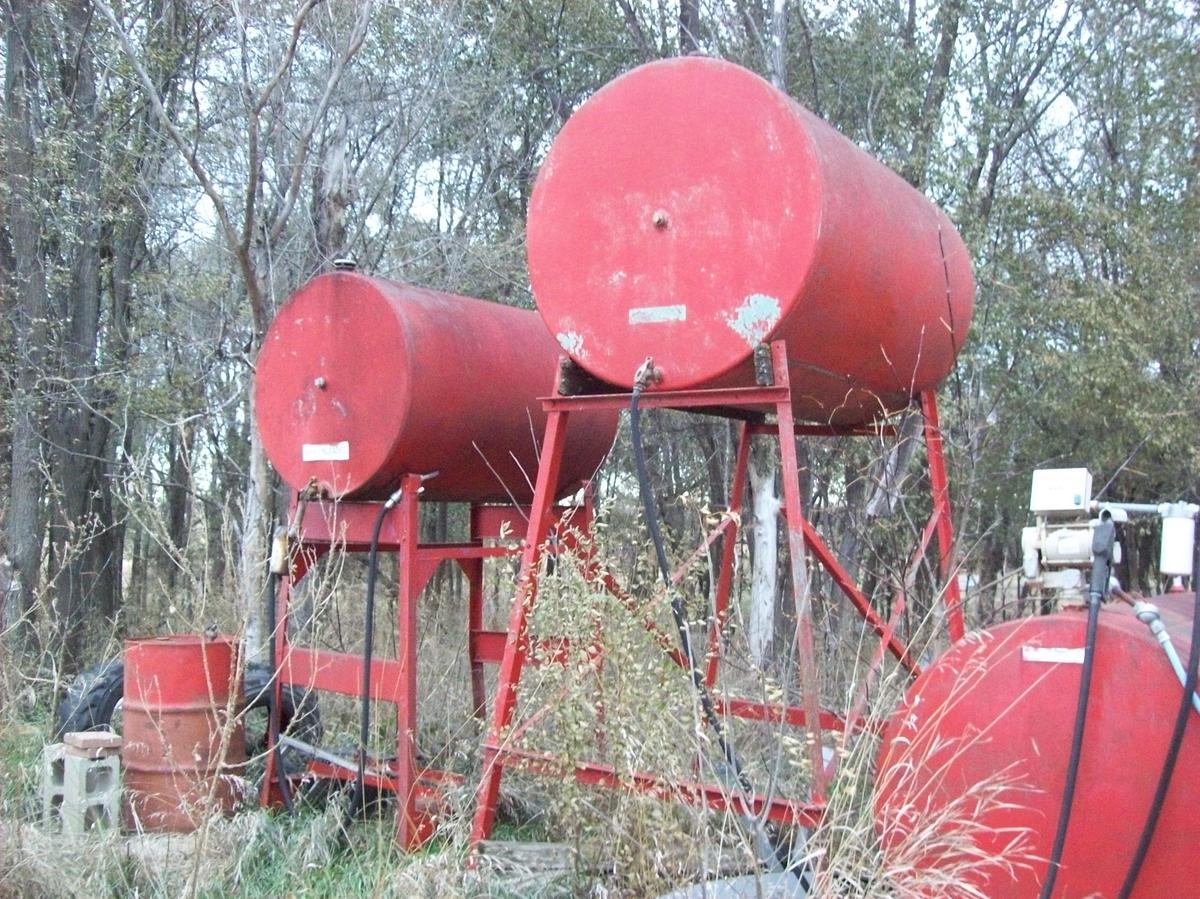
(973, 763)
(690, 211)
(181, 766)
(361, 380)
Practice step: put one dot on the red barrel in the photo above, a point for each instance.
(362, 380)
(182, 754)
(972, 765)
(690, 211)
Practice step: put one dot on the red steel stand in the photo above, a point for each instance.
(346, 527)
(500, 748)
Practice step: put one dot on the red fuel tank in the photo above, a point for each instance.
(973, 763)
(690, 211)
(361, 380)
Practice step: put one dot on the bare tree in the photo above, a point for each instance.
(252, 223)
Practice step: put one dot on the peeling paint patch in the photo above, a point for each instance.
(653, 315)
(572, 342)
(755, 318)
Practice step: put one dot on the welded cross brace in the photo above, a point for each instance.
(500, 748)
(346, 527)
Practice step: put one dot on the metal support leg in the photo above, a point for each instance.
(473, 569)
(728, 551)
(410, 584)
(516, 646)
(951, 596)
(810, 685)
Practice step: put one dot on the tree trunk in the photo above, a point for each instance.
(31, 312)
(254, 549)
(689, 26)
(764, 582)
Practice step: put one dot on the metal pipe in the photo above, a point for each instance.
(1147, 613)
(1135, 508)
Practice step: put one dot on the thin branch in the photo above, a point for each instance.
(335, 76)
(252, 123)
(185, 150)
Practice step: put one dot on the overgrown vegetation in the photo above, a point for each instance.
(614, 698)
(173, 169)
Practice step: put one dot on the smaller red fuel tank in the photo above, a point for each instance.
(972, 765)
(362, 380)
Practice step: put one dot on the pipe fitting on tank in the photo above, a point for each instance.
(1148, 614)
(646, 375)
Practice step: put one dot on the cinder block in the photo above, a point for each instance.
(79, 793)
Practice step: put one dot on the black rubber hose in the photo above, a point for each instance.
(677, 610)
(650, 508)
(1103, 539)
(1181, 720)
(364, 732)
(1068, 798)
(276, 699)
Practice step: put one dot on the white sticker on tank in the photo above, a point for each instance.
(325, 452)
(1071, 655)
(654, 315)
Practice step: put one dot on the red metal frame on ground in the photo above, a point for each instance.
(346, 527)
(499, 749)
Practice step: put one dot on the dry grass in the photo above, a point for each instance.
(620, 844)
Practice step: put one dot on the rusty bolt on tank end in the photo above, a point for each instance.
(660, 219)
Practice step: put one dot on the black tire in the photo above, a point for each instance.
(92, 698)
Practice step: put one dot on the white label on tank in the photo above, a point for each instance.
(325, 452)
(1071, 655)
(653, 315)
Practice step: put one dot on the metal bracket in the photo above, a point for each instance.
(764, 376)
(576, 381)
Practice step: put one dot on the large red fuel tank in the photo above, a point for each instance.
(362, 380)
(972, 765)
(689, 211)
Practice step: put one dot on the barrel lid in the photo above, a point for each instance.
(331, 387)
(675, 216)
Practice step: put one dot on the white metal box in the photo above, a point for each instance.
(1058, 491)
